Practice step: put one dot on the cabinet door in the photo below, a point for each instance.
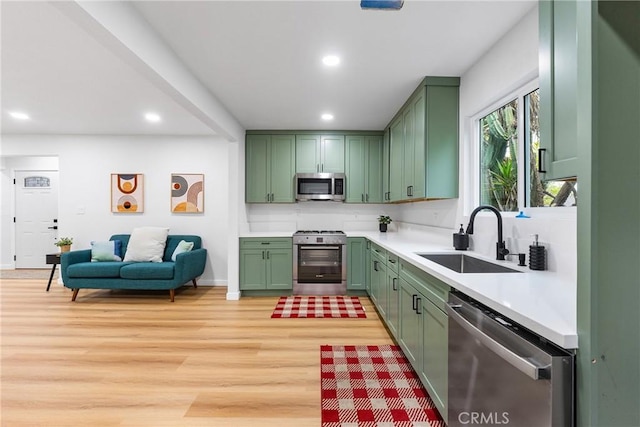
(257, 174)
(282, 168)
(393, 304)
(558, 113)
(396, 160)
(440, 160)
(418, 106)
(381, 289)
(252, 269)
(332, 154)
(409, 151)
(307, 153)
(279, 268)
(356, 169)
(386, 145)
(374, 170)
(356, 276)
(410, 324)
(435, 350)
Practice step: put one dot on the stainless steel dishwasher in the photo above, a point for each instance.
(502, 374)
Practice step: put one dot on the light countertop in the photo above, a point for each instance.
(541, 301)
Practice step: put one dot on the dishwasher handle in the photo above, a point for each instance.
(522, 364)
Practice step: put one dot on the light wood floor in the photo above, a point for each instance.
(119, 358)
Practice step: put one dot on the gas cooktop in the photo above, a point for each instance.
(319, 232)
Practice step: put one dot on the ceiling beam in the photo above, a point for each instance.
(121, 28)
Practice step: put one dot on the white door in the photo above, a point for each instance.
(36, 217)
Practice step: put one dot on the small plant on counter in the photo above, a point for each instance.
(384, 220)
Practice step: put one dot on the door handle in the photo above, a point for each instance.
(414, 302)
(367, 197)
(55, 227)
(418, 302)
(375, 265)
(393, 283)
(262, 254)
(362, 197)
(267, 254)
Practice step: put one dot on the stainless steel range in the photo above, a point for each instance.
(319, 262)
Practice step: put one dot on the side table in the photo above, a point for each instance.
(55, 260)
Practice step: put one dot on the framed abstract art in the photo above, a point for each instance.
(187, 193)
(127, 192)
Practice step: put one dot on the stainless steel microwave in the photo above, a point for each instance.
(320, 186)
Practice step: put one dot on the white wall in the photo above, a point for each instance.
(86, 163)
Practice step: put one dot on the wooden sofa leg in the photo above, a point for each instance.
(172, 294)
(195, 285)
(75, 294)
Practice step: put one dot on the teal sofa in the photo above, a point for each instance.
(78, 272)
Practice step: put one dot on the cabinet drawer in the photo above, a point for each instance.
(393, 261)
(434, 289)
(261, 243)
(375, 249)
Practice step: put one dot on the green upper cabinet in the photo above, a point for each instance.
(396, 159)
(270, 168)
(386, 146)
(423, 146)
(363, 168)
(319, 153)
(558, 113)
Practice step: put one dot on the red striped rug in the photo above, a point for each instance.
(319, 306)
(373, 386)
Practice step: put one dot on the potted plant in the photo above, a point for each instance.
(64, 243)
(384, 220)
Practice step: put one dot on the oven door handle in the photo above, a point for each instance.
(520, 363)
(333, 248)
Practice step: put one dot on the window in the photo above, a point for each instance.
(499, 158)
(508, 139)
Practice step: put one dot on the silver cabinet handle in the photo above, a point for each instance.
(523, 365)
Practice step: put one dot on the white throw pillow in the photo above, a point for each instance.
(183, 246)
(146, 244)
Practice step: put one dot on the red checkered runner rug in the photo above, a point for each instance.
(373, 386)
(319, 306)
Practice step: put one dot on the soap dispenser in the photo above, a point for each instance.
(461, 240)
(537, 255)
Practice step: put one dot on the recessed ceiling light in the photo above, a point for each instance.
(152, 117)
(327, 116)
(19, 115)
(331, 60)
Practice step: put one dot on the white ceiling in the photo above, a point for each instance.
(260, 59)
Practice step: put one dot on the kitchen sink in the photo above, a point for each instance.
(462, 263)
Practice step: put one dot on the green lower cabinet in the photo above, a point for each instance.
(423, 333)
(253, 270)
(356, 263)
(435, 351)
(411, 335)
(393, 301)
(266, 264)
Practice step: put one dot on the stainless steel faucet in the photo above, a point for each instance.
(501, 250)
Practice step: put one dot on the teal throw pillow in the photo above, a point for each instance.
(183, 246)
(104, 251)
